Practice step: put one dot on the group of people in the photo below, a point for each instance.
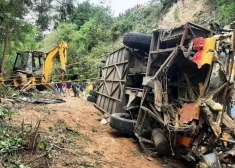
(67, 87)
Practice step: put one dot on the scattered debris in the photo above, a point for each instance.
(106, 116)
(103, 121)
(99, 119)
(39, 101)
(150, 158)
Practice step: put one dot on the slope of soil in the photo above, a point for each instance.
(81, 141)
(187, 11)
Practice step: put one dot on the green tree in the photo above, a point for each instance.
(86, 11)
(12, 14)
(51, 12)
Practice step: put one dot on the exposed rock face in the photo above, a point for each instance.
(183, 11)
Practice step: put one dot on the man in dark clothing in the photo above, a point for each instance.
(82, 87)
(59, 86)
(74, 87)
(69, 86)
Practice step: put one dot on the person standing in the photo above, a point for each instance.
(82, 89)
(64, 88)
(59, 86)
(69, 87)
(89, 87)
(75, 91)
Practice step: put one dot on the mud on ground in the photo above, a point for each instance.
(79, 140)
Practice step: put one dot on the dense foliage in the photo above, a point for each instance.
(14, 30)
(225, 10)
(90, 30)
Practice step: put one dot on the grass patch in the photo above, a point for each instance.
(134, 152)
(176, 14)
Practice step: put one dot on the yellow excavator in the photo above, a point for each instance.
(34, 68)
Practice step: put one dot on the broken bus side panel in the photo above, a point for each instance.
(182, 70)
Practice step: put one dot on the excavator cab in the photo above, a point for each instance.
(28, 62)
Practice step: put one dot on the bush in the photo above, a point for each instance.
(225, 10)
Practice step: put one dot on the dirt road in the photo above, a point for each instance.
(82, 141)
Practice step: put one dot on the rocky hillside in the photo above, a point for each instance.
(197, 11)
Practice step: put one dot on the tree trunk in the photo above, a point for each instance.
(5, 50)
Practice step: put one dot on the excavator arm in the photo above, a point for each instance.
(60, 51)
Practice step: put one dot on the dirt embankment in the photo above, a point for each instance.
(81, 141)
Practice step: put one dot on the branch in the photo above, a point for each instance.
(40, 156)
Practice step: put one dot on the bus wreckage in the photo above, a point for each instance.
(179, 98)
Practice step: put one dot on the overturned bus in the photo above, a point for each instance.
(174, 91)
